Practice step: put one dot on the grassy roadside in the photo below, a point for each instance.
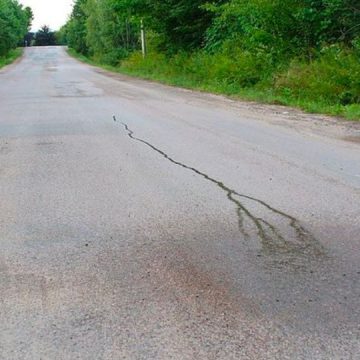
(10, 57)
(157, 68)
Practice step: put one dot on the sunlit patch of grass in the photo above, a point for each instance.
(10, 57)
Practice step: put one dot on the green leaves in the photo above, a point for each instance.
(182, 24)
(14, 24)
(97, 27)
(75, 30)
(45, 37)
(107, 30)
(285, 26)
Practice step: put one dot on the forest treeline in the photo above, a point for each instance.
(15, 21)
(299, 52)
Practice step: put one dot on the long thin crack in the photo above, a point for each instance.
(270, 236)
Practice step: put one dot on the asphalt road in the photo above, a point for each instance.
(139, 221)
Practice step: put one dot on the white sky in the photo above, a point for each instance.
(53, 13)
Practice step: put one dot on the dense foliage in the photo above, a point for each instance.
(45, 37)
(109, 29)
(297, 51)
(15, 22)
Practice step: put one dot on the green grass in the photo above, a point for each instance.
(320, 87)
(10, 57)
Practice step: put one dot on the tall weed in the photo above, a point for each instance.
(333, 78)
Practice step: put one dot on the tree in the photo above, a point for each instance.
(45, 37)
(112, 31)
(29, 38)
(14, 24)
(76, 28)
(29, 16)
(109, 29)
(61, 36)
(284, 26)
(181, 24)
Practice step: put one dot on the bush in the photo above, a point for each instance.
(333, 78)
(242, 69)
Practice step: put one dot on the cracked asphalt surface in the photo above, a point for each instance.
(140, 221)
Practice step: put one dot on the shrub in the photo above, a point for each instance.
(333, 78)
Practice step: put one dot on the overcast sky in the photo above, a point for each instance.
(53, 13)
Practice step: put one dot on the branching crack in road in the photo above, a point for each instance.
(270, 236)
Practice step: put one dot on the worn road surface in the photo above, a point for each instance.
(139, 221)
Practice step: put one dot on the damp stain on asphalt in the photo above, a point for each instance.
(273, 242)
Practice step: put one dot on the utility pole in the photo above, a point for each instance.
(143, 39)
